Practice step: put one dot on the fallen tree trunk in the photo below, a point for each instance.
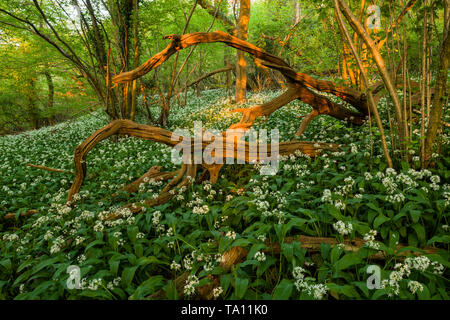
(11, 216)
(301, 86)
(311, 244)
(241, 151)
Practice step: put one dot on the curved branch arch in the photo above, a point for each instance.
(300, 84)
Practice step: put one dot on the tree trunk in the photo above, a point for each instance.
(136, 56)
(297, 12)
(124, 15)
(31, 100)
(51, 89)
(440, 91)
(241, 73)
(359, 29)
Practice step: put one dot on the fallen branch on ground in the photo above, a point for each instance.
(49, 169)
(312, 244)
(10, 216)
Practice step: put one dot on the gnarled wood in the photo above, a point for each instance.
(300, 83)
(185, 176)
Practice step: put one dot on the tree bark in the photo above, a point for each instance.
(372, 103)
(440, 91)
(241, 72)
(51, 89)
(136, 57)
(300, 82)
(31, 100)
(402, 127)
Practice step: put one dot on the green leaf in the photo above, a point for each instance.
(147, 287)
(44, 264)
(420, 231)
(40, 289)
(6, 264)
(25, 265)
(93, 243)
(288, 251)
(380, 220)
(283, 290)
(114, 266)
(171, 290)
(263, 266)
(241, 242)
(441, 239)
(128, 275)
(350, 259)
(96, 294)
(240, 287)
(425, 294)
(415, 215)
(374, 207)
(151, 259)
(225, 281)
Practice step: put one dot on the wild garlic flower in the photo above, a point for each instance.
(317, 291)
(396, 198)
(140, 235)
(389, 184)
(175, 266)
(370, 240)
(326, 196)
(217, 292)
(435, 179)
(260, 256)
(339, 204)
(187, 262)
(98, 227)
(262, 237)
(190, 285)
(413, 286)
(342, 228)
(81, 258)
(79, 240)
(156, 217)
(231, 235)
(201, 210)
(95, 284)
(11, 237)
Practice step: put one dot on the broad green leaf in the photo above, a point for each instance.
(240, 287)
(283, 290)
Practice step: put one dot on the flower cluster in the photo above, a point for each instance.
(342, 228)
(403, 271)
(217, 292)
(114, 283)
(370, 240)
(191, 283)
(306, 284)
(260, 256)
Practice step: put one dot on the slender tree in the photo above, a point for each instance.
(241, 65)
(440, 91)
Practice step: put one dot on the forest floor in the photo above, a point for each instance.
(348, 194)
